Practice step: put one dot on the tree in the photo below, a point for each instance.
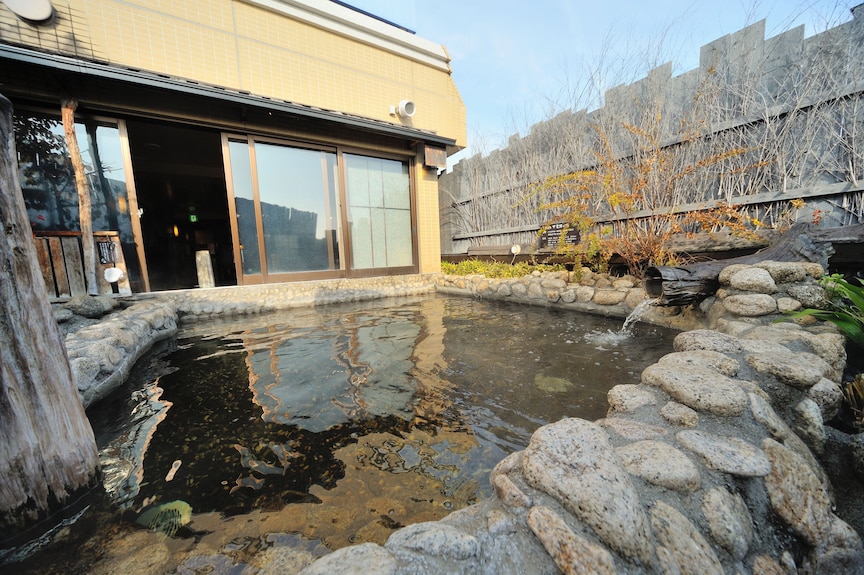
(47, 450)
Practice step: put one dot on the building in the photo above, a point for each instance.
(289, 139)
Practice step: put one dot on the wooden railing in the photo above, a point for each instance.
(61, 262)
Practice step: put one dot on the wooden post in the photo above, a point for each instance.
(48, 454)
(83, 187)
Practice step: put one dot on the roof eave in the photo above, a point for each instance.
(171, 83)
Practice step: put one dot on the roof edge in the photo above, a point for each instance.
(356, 25)
(191, 87)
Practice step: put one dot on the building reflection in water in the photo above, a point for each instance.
(368, 366)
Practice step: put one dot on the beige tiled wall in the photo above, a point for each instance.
(234, 44)
(429, 235)
(237, 45)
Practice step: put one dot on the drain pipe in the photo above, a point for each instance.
(678, 286)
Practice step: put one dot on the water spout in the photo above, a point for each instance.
(638, 313)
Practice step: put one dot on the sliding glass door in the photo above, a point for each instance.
(286, 214)
(292, 220)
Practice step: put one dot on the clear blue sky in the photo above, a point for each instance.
(515, 62)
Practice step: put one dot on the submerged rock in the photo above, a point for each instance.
(552, 384)
(166, 518)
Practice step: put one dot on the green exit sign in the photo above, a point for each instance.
(193, 218)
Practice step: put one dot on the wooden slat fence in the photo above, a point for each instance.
(60, 259)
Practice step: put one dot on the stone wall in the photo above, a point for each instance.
(583, 291)
(205, 303)
(707, 464)
(102, 354)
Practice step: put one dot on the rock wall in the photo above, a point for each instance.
(214, 302)
(102, 354)
(583, 291)
(707, 464)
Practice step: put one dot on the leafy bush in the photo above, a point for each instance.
(845, 308)
(495, 269)
(853, 395)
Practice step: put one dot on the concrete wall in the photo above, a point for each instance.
(803, 96)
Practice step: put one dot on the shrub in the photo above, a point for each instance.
(495, 269)
(853, 395)
(845, 308)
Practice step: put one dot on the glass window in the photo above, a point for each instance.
(297, 207)
(294, 193)
(297, 199)
(379, 212)
(244, 202)
(48, 180)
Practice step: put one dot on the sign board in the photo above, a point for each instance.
(108, 252)
(552, 237)
(434, 157)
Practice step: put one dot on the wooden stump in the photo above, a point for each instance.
(48, 454)
(690, 284)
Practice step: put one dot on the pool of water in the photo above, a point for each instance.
(275, 439)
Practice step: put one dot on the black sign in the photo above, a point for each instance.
(107, 252)
(552, 237)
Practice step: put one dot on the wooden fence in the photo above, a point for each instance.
(61, 261)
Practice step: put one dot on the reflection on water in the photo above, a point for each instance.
(328, 426)
(317, 377)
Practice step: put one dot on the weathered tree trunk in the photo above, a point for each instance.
(48, 454)
(722, 241)
(83, 187)
(689, 284)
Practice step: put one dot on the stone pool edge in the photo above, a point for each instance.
(530, 511)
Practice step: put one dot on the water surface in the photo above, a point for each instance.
(296, 433)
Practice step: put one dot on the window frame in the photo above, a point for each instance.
(345, 241)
